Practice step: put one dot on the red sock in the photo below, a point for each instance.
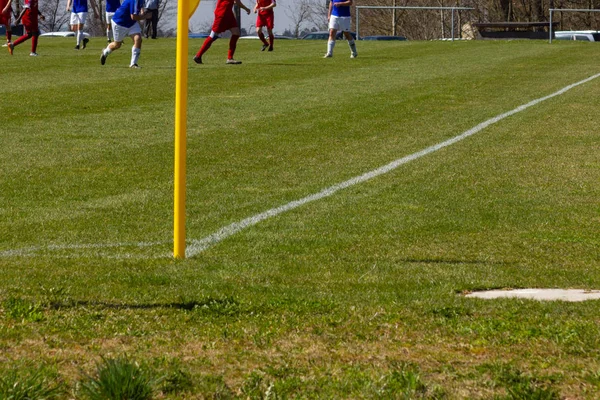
(8, 36)
(271, 40)
(21, 39)
(34, 42)
(232, 46)
(205, 46)
(261, 36)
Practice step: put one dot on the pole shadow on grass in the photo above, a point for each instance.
(457, 261)
(223, 306)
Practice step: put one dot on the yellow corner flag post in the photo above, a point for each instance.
(185, 10)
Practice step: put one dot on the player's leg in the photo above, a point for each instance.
(17, 42)
(146, 30)
(352, 44)
(331, 42)
(262, 38)
(206, 45)
(30, 27)
(5, 20)
(154, 20)
(333, 28)
(79, 34)
(20, 40)
(259, 24)
(270, 22)
(271, 38)
(74, 23)
(81, 40)
(34, 43)
(136, 49)
(235, 35)
(119, 34)
(109, 16)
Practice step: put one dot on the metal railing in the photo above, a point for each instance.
(452, 9)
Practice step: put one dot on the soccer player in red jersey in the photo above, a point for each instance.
(224, 21)
(29, 16)
(5, 13)
(265, 17)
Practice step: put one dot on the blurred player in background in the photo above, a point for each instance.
(29, 17)
(224, 21)
(111, 8)
(125, 22)
(339, 20)
(265, 17)
(151, 25)
(5, 18)
(79, 12)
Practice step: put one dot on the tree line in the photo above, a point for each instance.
(57, 17)
(310, 15)
(427, 25)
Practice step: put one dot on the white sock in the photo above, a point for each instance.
(106, 51)
(330, 46)
(135, 55)
(352, 45)
(79, 36)
(108, 35)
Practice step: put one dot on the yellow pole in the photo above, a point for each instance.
(185, 11)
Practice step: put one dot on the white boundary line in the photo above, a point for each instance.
(197, 246)
(31, 251)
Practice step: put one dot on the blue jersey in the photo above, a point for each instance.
(112, 5)
(123, 14)
(341, 11)
(79, 6)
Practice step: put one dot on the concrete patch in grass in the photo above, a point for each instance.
(539, 294)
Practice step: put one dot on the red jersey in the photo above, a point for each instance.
(5, 18)
(3, 4)
(224, 18)
(265, 3)
(32, 5)
(223, 6)
(30, 18)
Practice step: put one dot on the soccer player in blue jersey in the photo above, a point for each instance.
(339, 20)
(79, 12)
(125, 23)
(111, 8)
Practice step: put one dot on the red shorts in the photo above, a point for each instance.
(224, 22)
(265, 20)
(5, 19)
(30, 22)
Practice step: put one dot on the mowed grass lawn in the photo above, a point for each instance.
(357, 295)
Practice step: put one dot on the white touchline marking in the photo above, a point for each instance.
(198, 246)
(31, 251)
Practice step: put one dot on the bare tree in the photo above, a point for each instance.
(306, 14)
(167, 11)
(56, 16)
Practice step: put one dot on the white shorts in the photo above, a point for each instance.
(109, 16)
(120, 32)
(339, 23)
(78, 18)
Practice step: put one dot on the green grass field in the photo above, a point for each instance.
(357, 295)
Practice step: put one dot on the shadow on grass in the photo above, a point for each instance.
(454, 261)
(214, 304)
